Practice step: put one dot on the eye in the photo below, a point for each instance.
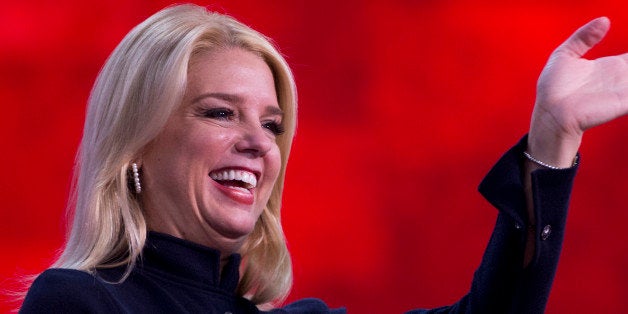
(218, 113)
(274, 127)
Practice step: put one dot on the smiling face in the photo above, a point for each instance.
(209, 174)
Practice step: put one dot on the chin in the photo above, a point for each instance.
(237, 229)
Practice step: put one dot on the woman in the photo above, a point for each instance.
(180, 173)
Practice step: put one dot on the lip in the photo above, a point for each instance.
(246, 198)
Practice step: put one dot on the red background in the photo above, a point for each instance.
(404, 106)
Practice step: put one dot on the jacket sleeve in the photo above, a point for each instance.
(501, 284)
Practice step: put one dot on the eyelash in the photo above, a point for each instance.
(218, 113)
(226, 114)
(274, 127)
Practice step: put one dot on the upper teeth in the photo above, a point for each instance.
(240, 175)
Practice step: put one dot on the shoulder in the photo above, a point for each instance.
(309, 305)
(65, 290)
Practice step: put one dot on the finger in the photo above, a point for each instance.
(587, 36)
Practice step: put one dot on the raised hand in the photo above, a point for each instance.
(575, 94)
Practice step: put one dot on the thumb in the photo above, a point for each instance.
(587, 36)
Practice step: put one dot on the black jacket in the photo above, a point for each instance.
(177, 276)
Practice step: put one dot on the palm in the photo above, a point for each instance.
(582, 93)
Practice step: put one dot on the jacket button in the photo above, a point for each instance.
(547, 230)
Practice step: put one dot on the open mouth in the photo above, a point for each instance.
(237, 179)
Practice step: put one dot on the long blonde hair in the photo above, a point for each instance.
(138, 88)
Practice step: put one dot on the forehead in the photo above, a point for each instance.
(233, 73)
(229, 70)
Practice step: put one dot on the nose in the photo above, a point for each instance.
(254, 141)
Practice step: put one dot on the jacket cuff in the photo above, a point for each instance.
(503, 187)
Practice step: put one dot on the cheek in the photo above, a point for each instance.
(273, 164)
(209, 144)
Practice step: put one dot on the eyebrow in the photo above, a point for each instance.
(232, 98)
(222, 96)
(275, 111)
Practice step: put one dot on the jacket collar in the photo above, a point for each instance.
(189, 261)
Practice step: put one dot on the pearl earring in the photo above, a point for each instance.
(136, 178)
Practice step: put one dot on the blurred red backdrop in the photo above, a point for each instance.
(404, 106)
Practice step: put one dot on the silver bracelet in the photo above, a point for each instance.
(540, 163)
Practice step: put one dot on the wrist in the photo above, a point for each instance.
(553, 146)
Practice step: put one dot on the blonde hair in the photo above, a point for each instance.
(138, 88)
